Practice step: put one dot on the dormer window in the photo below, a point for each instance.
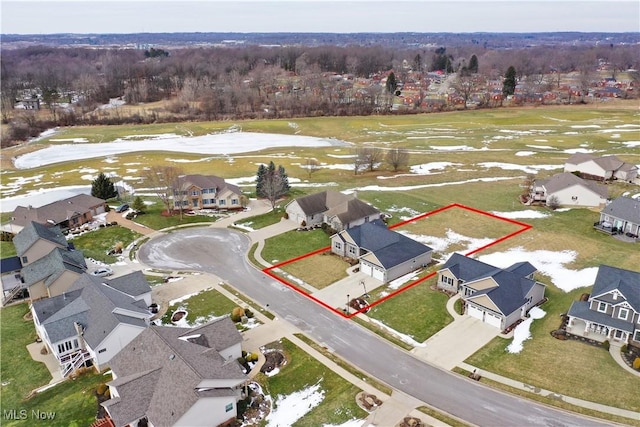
(602, 307)
(623, 313)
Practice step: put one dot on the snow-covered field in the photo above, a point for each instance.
(222, 143)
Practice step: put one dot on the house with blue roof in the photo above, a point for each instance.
(497, 296)
(612, 311)
(382, 253)
(93, 320)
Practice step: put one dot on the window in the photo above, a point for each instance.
(623, 313)
(229, 407)
(337, 245)
(102, 350)
(234, 201)
(208, 201)
(195, 193)
(222, 202)
(352, 250)
(602, 307)
(636, 336)
(25, 260)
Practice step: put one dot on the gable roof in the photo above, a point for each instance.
(34, 231)
(624, 208)
(565, 180)
(321, 202)
(56, 212)
(52, 265)
(208, 181)
(133, 284)
(578, 158)
(467, 269)
(91, 304)
(627, 282)
(175, 361)
(609, 163)
(389, 247)
(351, 210)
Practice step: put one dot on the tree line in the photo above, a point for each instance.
(217, 83)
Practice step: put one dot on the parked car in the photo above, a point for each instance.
(122, 208)
(102, 272)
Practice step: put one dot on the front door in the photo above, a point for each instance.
(194, 203)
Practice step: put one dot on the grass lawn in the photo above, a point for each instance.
(302, 371)
(202, 307)
(7, 249)
(260, 221)
(154, 219)
(418, 312)
(293, 243)
(96, 244)
(567, 367)
(319, 270)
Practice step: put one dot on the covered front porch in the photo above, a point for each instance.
(595, 331)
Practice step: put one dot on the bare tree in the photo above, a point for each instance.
(369, 157)
(397, 158)
(311, 165)
(165, 182)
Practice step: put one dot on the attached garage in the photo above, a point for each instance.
(484, 315)
(372, 270)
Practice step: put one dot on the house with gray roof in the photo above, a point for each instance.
(621, 216)
(197, 192)
(54, 273)
(36, 240)
(601, 168)
(382, 253)
(91, 321)
(566, 189)
(337, 210)
(67, 214)
(169, 376)
(612, 311)
(497, 296)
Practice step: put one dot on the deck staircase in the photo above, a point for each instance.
(12, 294)
(73, 361)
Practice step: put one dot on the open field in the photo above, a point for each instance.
(319, 270)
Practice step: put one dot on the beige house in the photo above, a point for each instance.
(569, 190)
(601, 168)
(36, 241)
(54, 273)
(339, 211)
(206, 192)
(68, 213)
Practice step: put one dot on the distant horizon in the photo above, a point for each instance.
(87, 17)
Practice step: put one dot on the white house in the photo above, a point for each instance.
(93, 320)
(569, 190)
(170, 376)
(601, 168)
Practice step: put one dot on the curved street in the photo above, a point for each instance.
(221, 251)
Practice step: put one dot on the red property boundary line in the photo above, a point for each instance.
(269, 270)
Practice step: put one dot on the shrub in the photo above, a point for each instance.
(238, 312)
(5, 236)
(606, 345)
(303, 223)
(248, 313)
(244, 353)
(624, 348)
(114, 222)
(636, 363)
(101, 389)
(107, 393)
(252, 357)
(285, 216)
(235, 319)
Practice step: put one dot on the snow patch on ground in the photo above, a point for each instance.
(441, 244)
(521, 214)
(549, 263)
(579, 150)
(417, 187)
(403, 337)
(289, 409)
(525, 153)
(532, 169)
(521, 333)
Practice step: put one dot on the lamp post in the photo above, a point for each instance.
(348, 303)
(366, 295)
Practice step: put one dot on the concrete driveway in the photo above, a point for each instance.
(456, 342)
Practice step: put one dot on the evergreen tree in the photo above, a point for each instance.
(285, 179)
(260, 176)
(392, 83)
(138, 205)
(103, 188)
(473, 64)
(509, 84)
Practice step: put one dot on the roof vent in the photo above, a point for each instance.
(172, 356)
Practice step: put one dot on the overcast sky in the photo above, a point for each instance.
(95, 16)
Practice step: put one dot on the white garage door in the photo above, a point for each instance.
(493, 320)
(365, 268)
(474, 311)
(378, 273)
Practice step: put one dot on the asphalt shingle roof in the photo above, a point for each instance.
(581, 310)
(133, 284)
(180, 365)
(624, 208)
(56, 212)
(52, 265)
(565, 180)
(209, 181)
(626, 281)
(34, 231)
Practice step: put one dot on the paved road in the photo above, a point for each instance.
(222, 252)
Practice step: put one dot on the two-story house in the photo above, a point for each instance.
(499, 297)
(621, 216)
(612, 311)
(93, 320)
(169, 376)
(601, 168)
(197, 192)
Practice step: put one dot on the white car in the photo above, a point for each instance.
(102, 272)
